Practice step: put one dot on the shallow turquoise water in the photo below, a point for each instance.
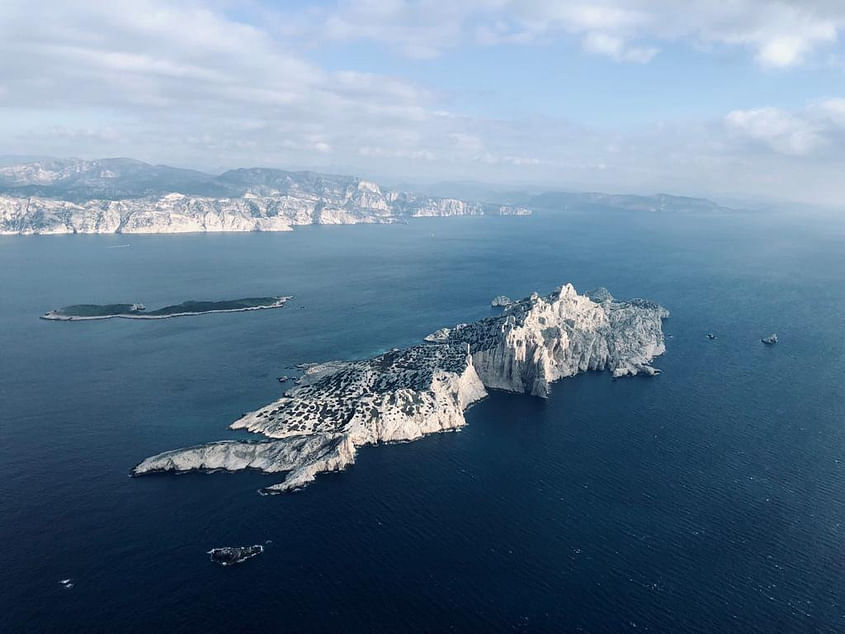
(709, 498)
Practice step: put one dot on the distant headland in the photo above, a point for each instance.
(123, 196)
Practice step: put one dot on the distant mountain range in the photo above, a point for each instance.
(571, 201)
(79, 180)
(565, 201)
(123, 195)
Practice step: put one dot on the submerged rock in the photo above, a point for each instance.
(228, 555)
(337, 406)
(770, 340)
(710, 335)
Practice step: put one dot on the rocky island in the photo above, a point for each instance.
(404, 394)
(81, 312)
(229, 555)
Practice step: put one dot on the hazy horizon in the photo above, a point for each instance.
(428, 186)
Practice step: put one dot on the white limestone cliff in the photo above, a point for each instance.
(404, 394)
(271, 211)
(539, 340)
(302, 457)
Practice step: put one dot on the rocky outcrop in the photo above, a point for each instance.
(540, 340)
(302, 457)
(404, 394)
(230, 555)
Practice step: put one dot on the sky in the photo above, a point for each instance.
(741, 99)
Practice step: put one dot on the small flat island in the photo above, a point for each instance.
(80, 312)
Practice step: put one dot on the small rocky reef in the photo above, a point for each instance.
(229, 555)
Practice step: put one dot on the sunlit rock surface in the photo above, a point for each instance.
(262, 200)
(404, 394)
(539, 340)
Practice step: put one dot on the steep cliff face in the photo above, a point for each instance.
(302, 457)
(261, 200)
(405, 394)
(539, 340)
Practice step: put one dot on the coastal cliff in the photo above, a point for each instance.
(404, 394)
(97, 197)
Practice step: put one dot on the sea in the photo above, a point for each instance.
(710, 498)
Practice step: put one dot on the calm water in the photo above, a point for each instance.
(710, 498)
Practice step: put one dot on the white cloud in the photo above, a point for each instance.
(396, 153)
(782, 51)
(186, 84)
(616, 48)
(174, 77)
(783, 132)
(815, 131)
(779, 33)
(467, 142)
(832, 110)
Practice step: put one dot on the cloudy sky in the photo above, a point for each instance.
(735, 98)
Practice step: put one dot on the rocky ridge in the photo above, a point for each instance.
(404, 394)
(132, 197)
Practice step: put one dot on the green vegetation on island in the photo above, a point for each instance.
(139, 311)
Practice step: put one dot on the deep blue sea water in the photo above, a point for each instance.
(708, 499)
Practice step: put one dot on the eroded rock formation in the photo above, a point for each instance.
(404, 394)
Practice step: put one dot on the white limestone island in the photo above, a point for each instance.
(403, 395)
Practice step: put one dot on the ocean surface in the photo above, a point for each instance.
(710, 498)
